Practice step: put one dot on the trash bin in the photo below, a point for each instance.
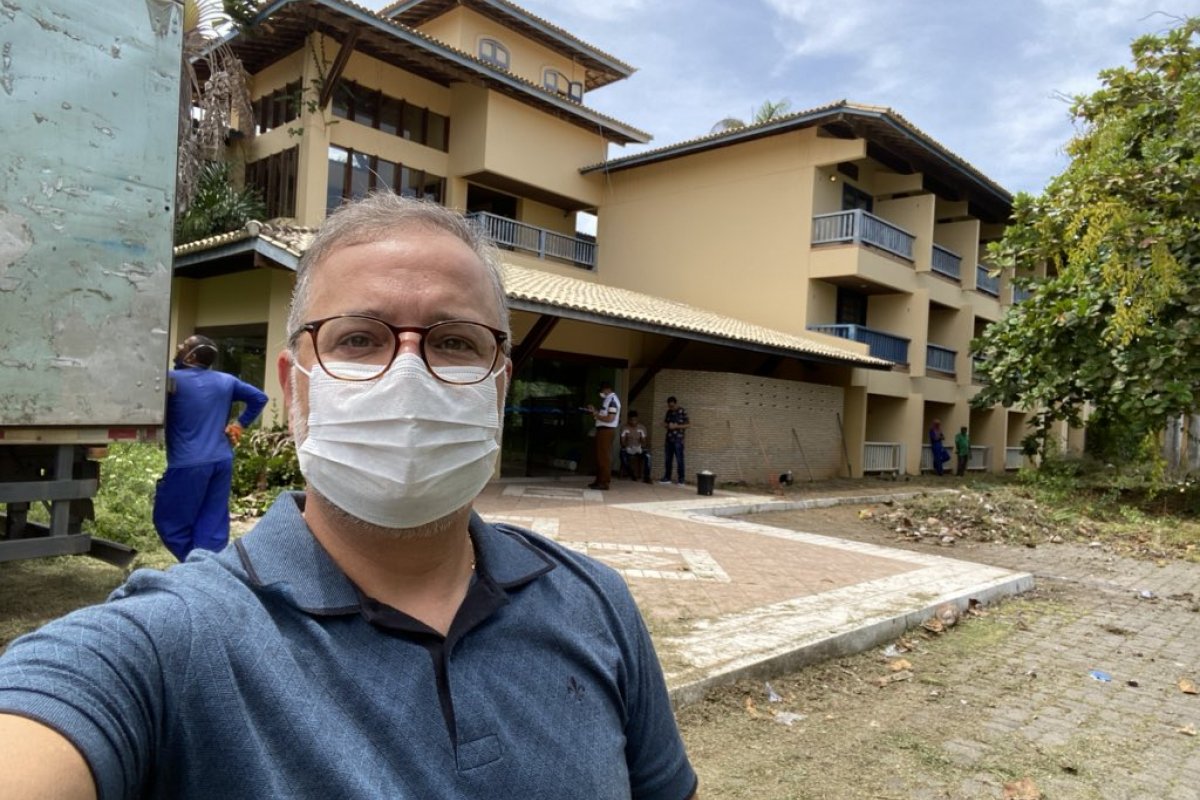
(705, 481)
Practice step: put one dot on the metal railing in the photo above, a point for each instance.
(940, 358)
(947, 262)
(532, 239)
(883, 457)
(1014, 458)
(980, 461)
(880, 344)
(984, 281)
(863, 227)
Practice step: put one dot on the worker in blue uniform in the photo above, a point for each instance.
(191, 504)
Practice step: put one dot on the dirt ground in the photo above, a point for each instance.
(1078, 690)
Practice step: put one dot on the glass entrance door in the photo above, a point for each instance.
(547, 430)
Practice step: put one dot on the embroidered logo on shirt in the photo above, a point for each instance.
(576, 689)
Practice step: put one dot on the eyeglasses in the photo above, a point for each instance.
(356, 348)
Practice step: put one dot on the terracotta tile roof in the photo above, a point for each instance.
(537, 289)
(288, 22)
(559, 291)
(880, 123)
(408, 9)
(292, 238)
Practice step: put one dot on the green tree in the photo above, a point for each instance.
(1116, 322)
(768, 112)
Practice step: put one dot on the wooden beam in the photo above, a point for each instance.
(664, 360)
(532, 341)
(335, 71)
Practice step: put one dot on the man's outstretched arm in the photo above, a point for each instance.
(39, 763)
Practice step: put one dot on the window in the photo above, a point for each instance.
(575, 91)
(555, 81)
(391, 115)
(851, 307)
(352, 174)
(275, 179)
(854, 198)
(277, 108)
(493, 53)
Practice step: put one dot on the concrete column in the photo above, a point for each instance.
(279, 301)
(312, 169)
(854, 428)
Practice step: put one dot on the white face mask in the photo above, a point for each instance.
(402, 450)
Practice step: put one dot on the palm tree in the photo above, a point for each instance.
(768, 112)
(206, 109)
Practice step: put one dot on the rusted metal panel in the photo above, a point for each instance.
(89, 108)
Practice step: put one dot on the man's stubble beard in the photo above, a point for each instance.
(299, 427)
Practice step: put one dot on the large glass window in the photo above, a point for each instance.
(391, 115)
(352, 174)
(277, 108)
(275, 179)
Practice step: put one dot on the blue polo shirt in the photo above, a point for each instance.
(197, 410)
(262, 671)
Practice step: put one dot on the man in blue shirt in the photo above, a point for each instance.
(191, 504)
(372, 637)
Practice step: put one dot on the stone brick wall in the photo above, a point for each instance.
(741, 425)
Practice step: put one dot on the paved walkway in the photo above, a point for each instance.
(727, 599)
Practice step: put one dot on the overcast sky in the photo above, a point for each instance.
(983, 77)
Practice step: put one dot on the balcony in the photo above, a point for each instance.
(862, 227)
(947, 263)
(940, 359)
(984, 282)
(509, 233)
(880, 344)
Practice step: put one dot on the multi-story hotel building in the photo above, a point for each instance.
(808, 288)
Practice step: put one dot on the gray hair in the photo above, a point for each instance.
(376, 218)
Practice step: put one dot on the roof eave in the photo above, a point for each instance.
(613, 129)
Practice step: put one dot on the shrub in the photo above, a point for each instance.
(264, 466)
(125, 502)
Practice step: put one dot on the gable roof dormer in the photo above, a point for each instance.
(601, 68)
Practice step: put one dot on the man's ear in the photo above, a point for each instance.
(283, 366)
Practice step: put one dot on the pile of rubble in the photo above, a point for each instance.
(945, 519)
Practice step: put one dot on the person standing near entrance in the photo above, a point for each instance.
(677, 423)
(962, 449)
(607, 417)
(191, 501)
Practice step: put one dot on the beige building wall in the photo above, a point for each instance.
(464, 28)
(745, 428)
(724, 230)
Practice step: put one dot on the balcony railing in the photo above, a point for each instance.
(981, 459)
(532, 239)
(883, 457)
(1014, 457)
(984, 282)
(880, 344)
(946, 262)
(940, 358)
(862, 227)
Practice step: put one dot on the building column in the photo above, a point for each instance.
(854, 428)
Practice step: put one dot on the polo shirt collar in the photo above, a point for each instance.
(281, 554)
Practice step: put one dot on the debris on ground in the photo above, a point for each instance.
(1024, 789)
(1101, 675)
(772, 695)
(1188, 686)
(895, 677)
(1187, 730)
(899, 665)
(789, 718)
